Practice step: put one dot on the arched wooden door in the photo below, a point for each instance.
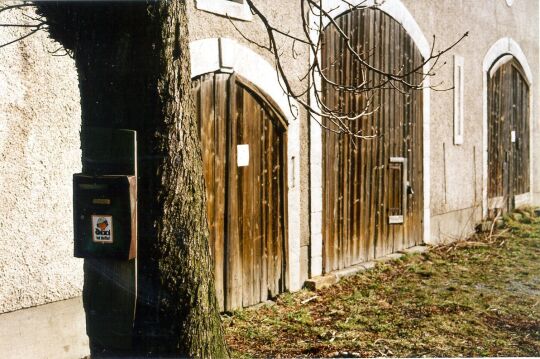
(508, 133)
(244, 146)
(373, 190)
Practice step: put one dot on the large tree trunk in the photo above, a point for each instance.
(134, 72)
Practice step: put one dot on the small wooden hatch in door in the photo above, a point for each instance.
(372, 188)
(244, 146)
(508, 134)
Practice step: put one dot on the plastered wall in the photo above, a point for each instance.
(456, 170)
(39, 152)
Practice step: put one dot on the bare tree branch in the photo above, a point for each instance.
(39, 24)
(368, 81)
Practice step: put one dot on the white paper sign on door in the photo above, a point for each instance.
(242, 155)
(513, 136)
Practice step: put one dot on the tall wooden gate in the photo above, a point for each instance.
(508, 133)
(244, 146)
(373, 189)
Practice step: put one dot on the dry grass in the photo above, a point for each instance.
(474, 298)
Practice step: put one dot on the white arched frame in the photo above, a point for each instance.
(226, 55)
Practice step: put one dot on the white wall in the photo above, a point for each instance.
(39, 152)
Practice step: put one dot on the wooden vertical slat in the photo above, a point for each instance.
(520, 129)
(415, 232)
(399, 137)
(264, 209)
(369, 237)
(380, 237)
(344, 176)
(208, 150)
(283, 182)
(276, 233)
(220, 161)
(328, 160)
(207, 126)
(385, 110)
(355, 153)
(363, 248)
(378, 129)
(409, 141)
(270, 219)
(255, 142)
(234, 290)
(396, 193)
(281, 228)
(325, 60)
(245, 194)
(327, 64)
(336, 164)
(349, 104)
(352, 236)
(333, 164)
(419, 146)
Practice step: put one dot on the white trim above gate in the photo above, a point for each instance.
(496, 55)
(398, 11)
(226, 55)
(236, 10)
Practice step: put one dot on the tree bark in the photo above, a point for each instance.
(188, 305)
(134, 72)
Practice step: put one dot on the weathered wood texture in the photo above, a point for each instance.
(508, 104)
(362, 188)
(246, 205)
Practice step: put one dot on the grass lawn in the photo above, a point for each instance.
(474, 298)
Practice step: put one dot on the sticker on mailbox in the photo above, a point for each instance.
(102, 231)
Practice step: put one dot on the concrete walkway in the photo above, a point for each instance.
(55, 331)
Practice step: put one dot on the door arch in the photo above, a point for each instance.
(228, 56)
(244, 143)
(373, 202)
(508, 133)
(502, 47)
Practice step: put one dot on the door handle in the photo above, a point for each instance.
(410, 190)
(405, 191)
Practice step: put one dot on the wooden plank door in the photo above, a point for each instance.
(243, 141)
(372, 188)
(508, 134)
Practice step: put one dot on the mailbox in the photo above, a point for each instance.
(105, 216)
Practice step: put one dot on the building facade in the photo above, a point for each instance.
(313, 199)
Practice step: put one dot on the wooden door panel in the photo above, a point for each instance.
(246, 204)
(508, 132)
(358, 185)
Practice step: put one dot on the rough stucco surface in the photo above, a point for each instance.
(39, 152)
(456, 172)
